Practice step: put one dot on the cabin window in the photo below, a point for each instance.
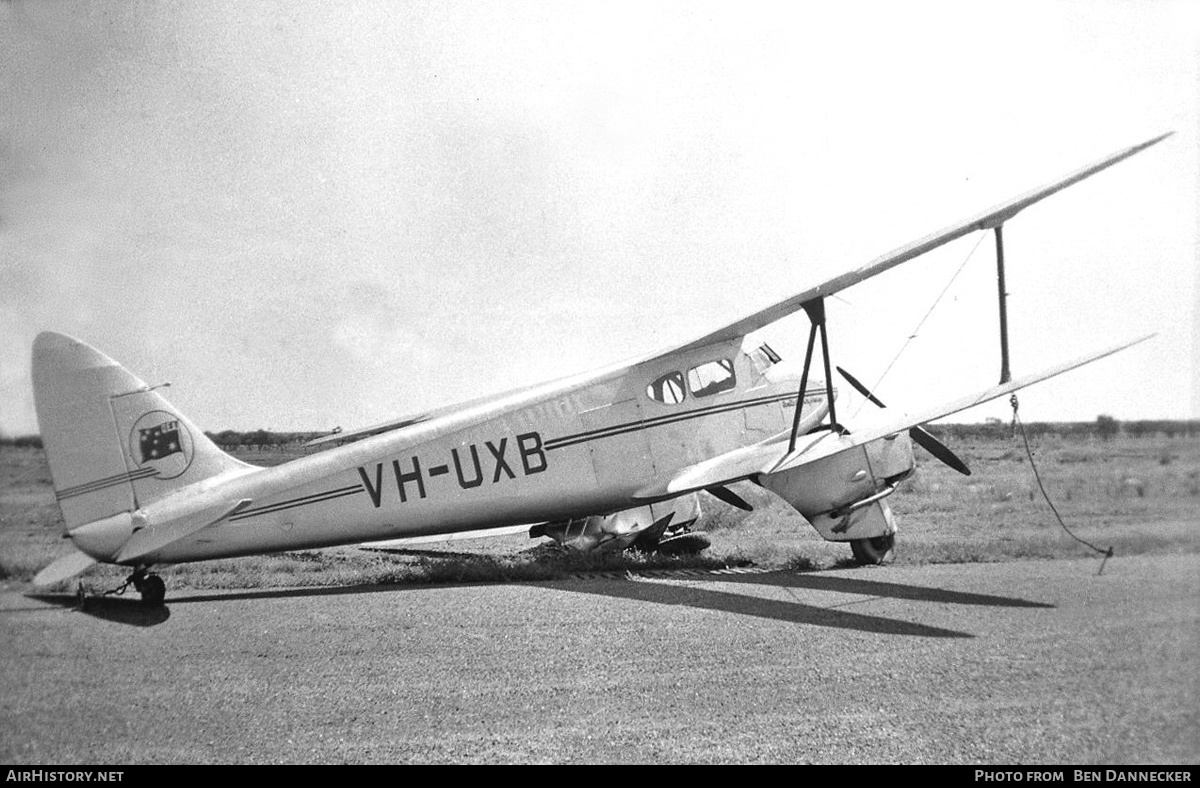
(711, 378)
(668, 389)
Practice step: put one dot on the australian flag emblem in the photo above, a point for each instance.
(158, 442)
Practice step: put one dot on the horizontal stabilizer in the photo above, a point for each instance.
(903, 421)
(154, 538)
(64, 569)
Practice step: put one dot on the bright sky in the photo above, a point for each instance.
(308, 214)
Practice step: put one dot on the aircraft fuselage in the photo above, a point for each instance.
(573, 449)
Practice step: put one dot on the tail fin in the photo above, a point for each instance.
(113, 444)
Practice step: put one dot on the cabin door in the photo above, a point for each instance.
(619, 445)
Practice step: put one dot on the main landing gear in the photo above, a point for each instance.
(876, 550)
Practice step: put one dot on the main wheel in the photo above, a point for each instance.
(876, 550)
(684, 543)
(154, 591)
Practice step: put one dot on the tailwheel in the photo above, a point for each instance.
(876, 550)
(151, 587)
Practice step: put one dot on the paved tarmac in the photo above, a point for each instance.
(1033, 662)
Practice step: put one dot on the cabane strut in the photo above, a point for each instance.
(816, 316)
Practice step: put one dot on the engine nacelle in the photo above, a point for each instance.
(842, 494)
(620, 530)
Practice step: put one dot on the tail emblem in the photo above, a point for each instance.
(159, 440)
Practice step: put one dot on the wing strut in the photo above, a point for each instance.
(816, 316)
(1005, 374)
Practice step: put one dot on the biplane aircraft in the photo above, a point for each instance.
(607, 458)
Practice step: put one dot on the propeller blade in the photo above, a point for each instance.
(924, 438)
(729, 496)
(853, 381)
(921, 436)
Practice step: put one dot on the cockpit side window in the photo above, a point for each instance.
(762, 358)
(712, 377)
(668, 389)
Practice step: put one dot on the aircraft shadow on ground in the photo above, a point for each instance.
(295, 593)
(692, 595)
(134, 612)
(863, 586)
(658, 593)
(787, 611)
(122, 611)
(418, 553)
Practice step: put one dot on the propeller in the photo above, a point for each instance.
(729, 496)
(921, 436)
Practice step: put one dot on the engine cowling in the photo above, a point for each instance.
(842, 494)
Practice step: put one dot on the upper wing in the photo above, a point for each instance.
(400, 422)
(487, 405)
(366, 432)
(993, 217)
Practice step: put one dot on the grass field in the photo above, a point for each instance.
(1135, 494)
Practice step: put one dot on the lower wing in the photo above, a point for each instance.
(772, 455)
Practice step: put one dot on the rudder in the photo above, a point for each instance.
(113, 443)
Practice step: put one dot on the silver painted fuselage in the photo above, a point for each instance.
(576, 447)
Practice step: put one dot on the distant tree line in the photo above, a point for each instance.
(260, 439)
(1104, 427)
(226, 439)
(22, 441)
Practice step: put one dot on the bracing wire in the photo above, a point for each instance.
(917, 330)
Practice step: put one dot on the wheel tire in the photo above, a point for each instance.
(687, 543)
(874, 551)
(154, 591)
